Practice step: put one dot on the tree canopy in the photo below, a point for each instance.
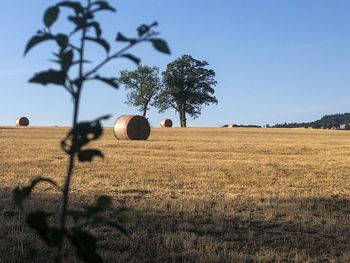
(188, 85)
(143, 85)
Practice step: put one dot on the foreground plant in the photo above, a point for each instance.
(71, 58)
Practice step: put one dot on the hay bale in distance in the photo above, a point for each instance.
(131, 127)
(166, 123)
(232, 125)
(22, 121)
(344, 127)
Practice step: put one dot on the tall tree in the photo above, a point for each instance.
(188, 85)
(144, 85)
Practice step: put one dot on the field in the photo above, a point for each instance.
(196, 195)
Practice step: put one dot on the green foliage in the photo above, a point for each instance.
(51, 16)
(327, 121)
(49, 77)
(89, 154)
(188, 86)
(160, 45)
(61, 40)
(144, 85)
(81, 134)
(71, 58)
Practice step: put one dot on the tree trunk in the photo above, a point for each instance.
(145, 109)
(183, 115)
(180, 116)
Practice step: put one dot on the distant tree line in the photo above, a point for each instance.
(244, 126)
(326, 122)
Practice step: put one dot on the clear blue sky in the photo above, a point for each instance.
(275, 60)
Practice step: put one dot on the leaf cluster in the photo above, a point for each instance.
(70, 54)
(188, 83)
(144, 85)
(80, 135)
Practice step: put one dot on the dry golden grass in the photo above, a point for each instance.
(197, 195)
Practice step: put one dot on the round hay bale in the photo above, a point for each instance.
(166, 123)
(131, 127)
(22, 121)
(232, 125)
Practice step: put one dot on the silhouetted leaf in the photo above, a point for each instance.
(134, 59)
(87, 131)
(22, 193)
(103, 5)
(84, 61)
(50, 16)
(143, 29)
(85, 245)
(49, 77)
(113, 82)
(160, 45)
(104, 117)
(88, 155)
(155, 23)
(83, 132)
(76, 6)
(97, 28)
(121, 38)
(36, 40)
(78, 21)
(101, 42)
(62, 40)
(67, 60)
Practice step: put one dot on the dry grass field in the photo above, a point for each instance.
(197, 195)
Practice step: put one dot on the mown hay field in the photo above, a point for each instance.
(195, 194)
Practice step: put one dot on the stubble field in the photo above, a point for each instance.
(196, 195)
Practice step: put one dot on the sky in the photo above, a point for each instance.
(275, 61)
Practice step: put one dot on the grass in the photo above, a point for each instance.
(197, 195)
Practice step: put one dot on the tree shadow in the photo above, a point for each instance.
(244, 230)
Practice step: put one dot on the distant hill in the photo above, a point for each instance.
(326, 121)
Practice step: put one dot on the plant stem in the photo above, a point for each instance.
(72, 154)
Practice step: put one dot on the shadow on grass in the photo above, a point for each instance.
(247, 230)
